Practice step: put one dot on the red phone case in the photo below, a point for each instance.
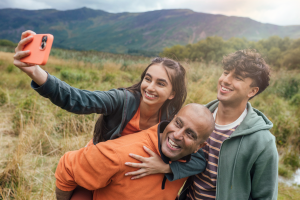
(38, 55)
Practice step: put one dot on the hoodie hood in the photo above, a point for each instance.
(253, 122)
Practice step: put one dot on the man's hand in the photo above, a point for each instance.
(63, 195)
(151, 165)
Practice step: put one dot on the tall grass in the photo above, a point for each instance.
(34, 133)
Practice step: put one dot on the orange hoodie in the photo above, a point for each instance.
(102, 168)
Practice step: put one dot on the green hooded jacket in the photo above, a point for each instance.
(248, 160)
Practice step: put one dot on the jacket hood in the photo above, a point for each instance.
(253, 122)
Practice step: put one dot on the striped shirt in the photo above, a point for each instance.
(204, 184)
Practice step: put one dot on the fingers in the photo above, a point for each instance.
(21, 54)
(19, 64)
(139, 176)
(149, 151)
(22, 43)
(134, 173)
(27, 33)
(136, 165)
(137, 157)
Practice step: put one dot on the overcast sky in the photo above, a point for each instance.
(280, 12)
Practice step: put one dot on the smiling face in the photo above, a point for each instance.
(156, 86)
(187, 132)
(235, 89)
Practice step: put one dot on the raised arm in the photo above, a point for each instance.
(80, 101)
(63, 95)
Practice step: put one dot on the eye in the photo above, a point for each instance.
(161, 83)
(177, 124)
(225, 72)
(190, 135)
(147, 79)
(238, 78)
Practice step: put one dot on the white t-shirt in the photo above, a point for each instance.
(231, 125)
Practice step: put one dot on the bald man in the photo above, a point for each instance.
(102, 167)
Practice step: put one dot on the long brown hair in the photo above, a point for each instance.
(171, 106)
(177, 79)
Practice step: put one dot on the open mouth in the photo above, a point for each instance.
(172, 145)
(224, 89)
(150, 96)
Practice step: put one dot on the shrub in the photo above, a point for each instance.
(7, 43)
(3, 98)
(23, 113)
(295, 100)
(109, 77)
(292, 160)
(73, 77)
(284, 171)
(10, 68)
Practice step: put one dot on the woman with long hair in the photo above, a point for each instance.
(158, 96)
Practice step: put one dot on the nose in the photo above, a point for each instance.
(151, 86)
(227, 79)
(178, 135)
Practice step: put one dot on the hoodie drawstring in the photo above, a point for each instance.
(163, 183)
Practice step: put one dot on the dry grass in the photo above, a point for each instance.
(34, 133)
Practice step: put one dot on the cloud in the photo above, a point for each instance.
(266, 11)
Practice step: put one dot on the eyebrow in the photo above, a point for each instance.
(181, 122)
(159, 79)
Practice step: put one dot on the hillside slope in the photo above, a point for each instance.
(87, 29)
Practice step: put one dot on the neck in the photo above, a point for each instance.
(148, 112)
(227, 114)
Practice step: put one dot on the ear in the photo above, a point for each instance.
(253, 91)
(201, 146)
(172, 95)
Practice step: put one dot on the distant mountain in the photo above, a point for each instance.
(88, 29)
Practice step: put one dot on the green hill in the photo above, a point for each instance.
(88, 29)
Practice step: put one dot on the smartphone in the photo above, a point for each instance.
(40, 48)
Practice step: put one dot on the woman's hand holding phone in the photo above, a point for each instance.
(36, 73)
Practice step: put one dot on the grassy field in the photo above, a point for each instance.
(35, 134)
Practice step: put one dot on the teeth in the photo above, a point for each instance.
(172, 144)
(225, 89)
(149, 95)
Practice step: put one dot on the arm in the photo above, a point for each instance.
(81, 168)
(149, 165)
(181, 170)
(80, 101)
(63, 95)
(176, 170)
(264, 173)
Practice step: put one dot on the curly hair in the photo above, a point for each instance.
(249, 63)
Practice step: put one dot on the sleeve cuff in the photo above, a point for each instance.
(64, 188)
(46, 88)
(175, 172)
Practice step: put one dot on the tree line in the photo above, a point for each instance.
(278, 52)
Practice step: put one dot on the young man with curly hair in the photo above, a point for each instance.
(241, 152)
